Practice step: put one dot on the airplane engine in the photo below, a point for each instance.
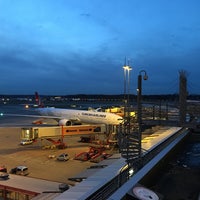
(65, 122)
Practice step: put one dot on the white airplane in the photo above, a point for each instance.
(66, 117)
(70, 116)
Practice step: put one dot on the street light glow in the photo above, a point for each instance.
(127, 68)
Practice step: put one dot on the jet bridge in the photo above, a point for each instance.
(61, 131)
(56, 134)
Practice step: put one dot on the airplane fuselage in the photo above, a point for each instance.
(81, 115)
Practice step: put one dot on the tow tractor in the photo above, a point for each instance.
(94, 154)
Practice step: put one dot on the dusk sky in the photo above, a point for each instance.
(60, 47)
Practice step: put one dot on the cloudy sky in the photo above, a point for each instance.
(79, 46)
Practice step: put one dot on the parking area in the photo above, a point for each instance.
(42, 163)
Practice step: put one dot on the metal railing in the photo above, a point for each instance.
(121, 178)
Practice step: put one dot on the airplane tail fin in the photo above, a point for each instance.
(38, 100)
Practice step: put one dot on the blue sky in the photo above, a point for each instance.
(60, 47)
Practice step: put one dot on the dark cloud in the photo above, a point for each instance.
(70, 48)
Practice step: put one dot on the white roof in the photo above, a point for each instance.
(30, 184)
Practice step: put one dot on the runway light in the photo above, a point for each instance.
(1, 114)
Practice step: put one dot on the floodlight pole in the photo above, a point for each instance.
(139, 106)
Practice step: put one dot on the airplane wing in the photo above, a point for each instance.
(36, 116)
(57, 118)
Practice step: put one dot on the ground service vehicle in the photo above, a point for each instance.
(26, 141)
(63, 157)
(20, 170)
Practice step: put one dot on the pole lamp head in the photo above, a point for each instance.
(145, 77)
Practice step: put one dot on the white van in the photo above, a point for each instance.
(26, 141)
(20, 170)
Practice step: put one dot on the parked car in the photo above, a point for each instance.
(20, 170)
(26, 141)
(63, 157)
(3, 169)
(4, 175)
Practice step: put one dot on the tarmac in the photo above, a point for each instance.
(179, 183)
(42, 163)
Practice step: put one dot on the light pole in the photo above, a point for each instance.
(126, 124)
(139, 105)
(127, 70)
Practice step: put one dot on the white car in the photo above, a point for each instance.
(4, 175)
(20, 170)
(26, 141)
(63, 157)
